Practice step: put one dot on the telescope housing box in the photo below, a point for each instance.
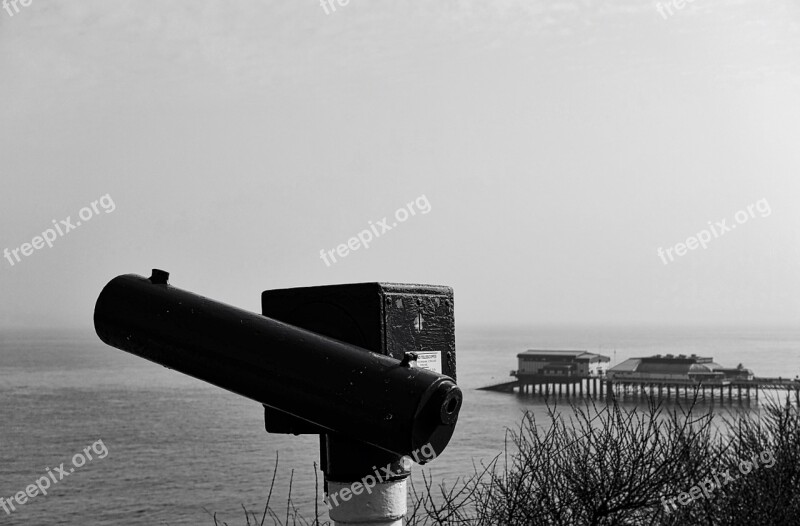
(386, 318)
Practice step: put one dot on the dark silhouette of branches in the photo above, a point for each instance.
(608, 464)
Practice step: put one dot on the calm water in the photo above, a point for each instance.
(178, 446)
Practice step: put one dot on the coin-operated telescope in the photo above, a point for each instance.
(369, 367)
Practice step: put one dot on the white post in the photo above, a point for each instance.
(381, 505)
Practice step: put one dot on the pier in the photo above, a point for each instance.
(546, 385)
(666, 389)
(580, 374)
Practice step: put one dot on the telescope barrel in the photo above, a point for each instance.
(337, 386)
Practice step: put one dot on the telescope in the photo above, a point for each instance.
(336, 386)
(369, 367)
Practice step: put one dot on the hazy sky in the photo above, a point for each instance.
(558, 144)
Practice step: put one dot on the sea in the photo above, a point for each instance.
(181, 452)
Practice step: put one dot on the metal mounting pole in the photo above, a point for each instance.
(385, 505)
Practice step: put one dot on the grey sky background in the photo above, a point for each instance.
(559, 144)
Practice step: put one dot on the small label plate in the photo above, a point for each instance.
(430, 360)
